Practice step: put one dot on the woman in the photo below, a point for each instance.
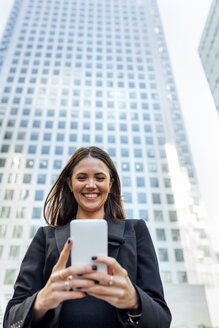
(52, 292)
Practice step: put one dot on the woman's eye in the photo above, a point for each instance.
(100, 178)
(81, 178)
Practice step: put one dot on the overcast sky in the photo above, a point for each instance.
(183, 22)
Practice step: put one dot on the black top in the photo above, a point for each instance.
(88, 312)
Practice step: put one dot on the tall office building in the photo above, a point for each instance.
(209, 51)
(77, 73)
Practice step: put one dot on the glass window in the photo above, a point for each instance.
(24, 194)
(3, 230)
(154, 182)
(126, 181)
(27, 178)
(33, 230)
(163, 254)
(172, 216)
(43, 164)
(5, 212)
(175, 234)
(2, 162)
(127, 197)
(36, 214)
(9, 276)
(141, 198)
(39, 194)
(182, 277)
(29, 163)
(45, 150)
(9, 194)
(137, 153)
(111, 139)
(21, 212)
(156, 199)
(160, 234)
(167, 183)
(158, 216)
(143, 214)
(58, 150)
(57, 164)
(14, 251)
(32, 149)
(41, 179)
(140, 182)
(17, 231)
(170, 199)
(179, 257)
(166, 276)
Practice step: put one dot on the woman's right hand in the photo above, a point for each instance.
(55, 290)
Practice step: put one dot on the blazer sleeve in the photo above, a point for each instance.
(30, 280)
(155, 312)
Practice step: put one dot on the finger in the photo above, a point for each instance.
(74, 283)
(72, 271)
(69, 295)
(106, 278)
(64, 255)
(105, 291)
(111, 262)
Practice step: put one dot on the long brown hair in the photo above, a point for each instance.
(60, 205)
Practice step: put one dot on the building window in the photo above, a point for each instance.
(140, 182)
(36, 213)
(24, 194)
(9, 276)
(5, 212)
(160, 234)
(163, 254)
(39, 194)
(156, 199)
(142, 198)
(179, 257)
(182, 277)
(27, 178)
(21, 213)
(175, 234)
(143, 214)
(158, 216)
(172, 216)
(14, 251)
(17, 231)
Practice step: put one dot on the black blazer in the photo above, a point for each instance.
(129, 243)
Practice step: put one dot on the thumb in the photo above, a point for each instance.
(64, 255)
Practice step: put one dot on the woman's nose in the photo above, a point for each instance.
(91, 183)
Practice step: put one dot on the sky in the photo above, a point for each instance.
(183, 22)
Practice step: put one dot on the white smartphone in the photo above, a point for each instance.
(90, 238)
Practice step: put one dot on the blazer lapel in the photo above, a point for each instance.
(62, 233)
(115, 237)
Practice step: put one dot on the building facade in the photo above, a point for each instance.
(78, 73)
(209, 51)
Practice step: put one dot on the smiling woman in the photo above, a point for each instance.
(52, 292)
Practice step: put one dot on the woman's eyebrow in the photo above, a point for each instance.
(97, 173)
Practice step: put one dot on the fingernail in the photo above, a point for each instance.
(96, 282)
(69, 240)
(94, 258)
(94, 267)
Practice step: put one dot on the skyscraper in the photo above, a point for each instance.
(209, 53)
(78, 73)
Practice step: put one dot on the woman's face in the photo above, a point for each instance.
(90, 183)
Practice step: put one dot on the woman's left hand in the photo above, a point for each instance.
(117, 288)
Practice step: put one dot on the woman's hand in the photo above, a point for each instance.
(63, 284)
(117, 289)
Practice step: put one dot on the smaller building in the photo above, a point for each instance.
(209, 50)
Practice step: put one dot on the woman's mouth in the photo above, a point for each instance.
(90, 196)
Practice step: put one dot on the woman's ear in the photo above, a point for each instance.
(69, 184)
(111, 183)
